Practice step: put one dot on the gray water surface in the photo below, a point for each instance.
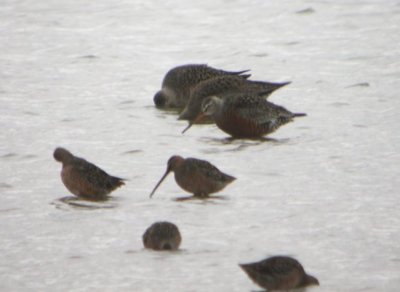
(82, 75)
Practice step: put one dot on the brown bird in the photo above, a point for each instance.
(279, 273)
(85, 179)
(162, 236)
(221, 85)
(196, 176)
(177, 83)
(244, 115)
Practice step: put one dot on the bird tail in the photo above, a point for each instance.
(245, 76)
(299, 115)
(240, 73)
(117, 182)
(270, 86)
(278, 85)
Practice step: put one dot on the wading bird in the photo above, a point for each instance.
(196, 176)
(84, 179)
(244, 115)
(177, 83)
(279, 273)
(162, 236)
(221, 85)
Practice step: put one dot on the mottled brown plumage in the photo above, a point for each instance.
(178, 82)
(196, 176)
(279, 273)
(245, 115)
(85, 179)
(162, 236)
(222, 85)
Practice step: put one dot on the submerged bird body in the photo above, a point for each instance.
(177, 83)
(222, 85)
(196, 176)
(245, 115)
(162, 236)
(279, 273)
(85, 179)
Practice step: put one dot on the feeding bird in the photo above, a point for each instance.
(279, 273)
(244, 115)
(162, 236)
(177, 83)
(221, 85)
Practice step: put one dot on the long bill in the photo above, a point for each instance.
(160, 181)
(197, 119)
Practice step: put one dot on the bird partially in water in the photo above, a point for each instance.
(221, 85)
(279, 273)
(177, 83)
(84, 179)
(245, 115)
(196, 176)
(162, 236)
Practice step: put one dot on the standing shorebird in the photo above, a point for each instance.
(196, 176)
(279, 273)
(85, 179)
(244, 115)
(221, 85)
(162, 236)
(177, 83)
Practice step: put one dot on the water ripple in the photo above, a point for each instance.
(78, 203)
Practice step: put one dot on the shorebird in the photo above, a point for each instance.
(177, 83)
(279, 273)
(221, 85)
(244, 115)
(162, 236)
(196, 176)
(84, 179)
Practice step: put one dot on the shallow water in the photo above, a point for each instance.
(83, 77)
